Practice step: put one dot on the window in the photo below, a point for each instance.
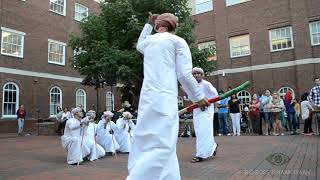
(282, 91)
(12, 42)
(56, 52)
(58, 6)
(281, 39)
(315, 33)
(233, 2)
(55, 100)
(81, 12)
(180, 101)
(109, 101)
(10, 101)
(244, 98)
(239, 46)
(203, 6)
(81, 99)
(212, 47)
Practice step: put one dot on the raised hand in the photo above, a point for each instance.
(152, 18)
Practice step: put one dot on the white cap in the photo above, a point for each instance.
(75, 110)
(107, 114)
(197, 69)
(127, 115)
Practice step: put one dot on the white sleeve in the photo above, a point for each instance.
(212, 90)
(73, 126)
(309, 106)
(184, 71)
(147, 29)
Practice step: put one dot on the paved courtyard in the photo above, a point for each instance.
(245, 157)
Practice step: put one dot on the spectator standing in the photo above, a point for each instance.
(21, 116)
(276, 106)
(235, 113)
(223, 115)
(289, 103)
(265, 100)
(306, 114)
(254, 114)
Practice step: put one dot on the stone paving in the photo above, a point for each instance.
(244, 157)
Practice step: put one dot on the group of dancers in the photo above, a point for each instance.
(84, 139)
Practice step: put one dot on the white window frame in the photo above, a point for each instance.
(283, 49)
(245, 96)
(17, 100)
(107, 98)
(64, 52)
(228, 3)
(84, 104)
(64, 8)
(313, 33)
(197, 3)
(75, 4)
(4, 29)
(283, 90)
(209, 44)
(231, 47)
(61, 93)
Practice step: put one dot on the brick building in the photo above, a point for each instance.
(36, 61)
(272, 43)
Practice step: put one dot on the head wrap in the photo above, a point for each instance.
(107, 114)
(197, 69)
(127, 115)
(76, 110)
(167, 20)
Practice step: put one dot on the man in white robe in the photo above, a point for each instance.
(167, 58)
(72, 140)
(124, 132)
(97, 150)
(105, 133)
(203, 121)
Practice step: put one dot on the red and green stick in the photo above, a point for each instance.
(218, 98)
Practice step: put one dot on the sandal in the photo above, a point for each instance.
(196, 160)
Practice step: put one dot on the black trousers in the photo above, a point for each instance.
(216, 125)
(308, 125)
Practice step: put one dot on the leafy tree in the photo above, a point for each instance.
(106, 46)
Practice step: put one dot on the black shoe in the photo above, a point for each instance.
(215, 151)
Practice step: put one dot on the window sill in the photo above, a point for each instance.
(60, 64)
(11, 117)
(199, 13)
(315, 45)
(235, 57)
(237, 3)
(11, 55)
(57, 13)
(282, 49)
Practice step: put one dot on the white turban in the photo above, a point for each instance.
(75, 110)
(127, 115)
(107, 114)
(197, 69)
